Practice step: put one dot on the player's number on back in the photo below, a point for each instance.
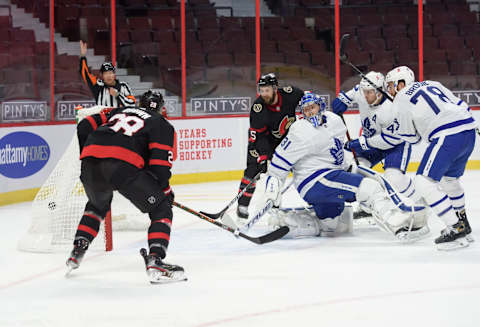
(435, 91)
(128, 124)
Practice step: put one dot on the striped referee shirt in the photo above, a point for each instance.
(101, 91)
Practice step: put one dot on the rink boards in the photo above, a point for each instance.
(208, 149)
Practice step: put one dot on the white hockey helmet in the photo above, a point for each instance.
(377, 80)
(401, 73)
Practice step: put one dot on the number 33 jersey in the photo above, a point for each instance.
(143, 138)
(429, 110)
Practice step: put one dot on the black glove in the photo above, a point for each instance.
(262, 164)
(169, 195)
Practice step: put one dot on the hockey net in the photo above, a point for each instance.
(60, 202)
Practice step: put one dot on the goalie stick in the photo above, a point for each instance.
(222, 212)
(270, 237)
(344, 59)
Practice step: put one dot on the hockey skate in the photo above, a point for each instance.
(80, 246)
(160, 272)
(453, 237)
(462, 216)
(242, 212)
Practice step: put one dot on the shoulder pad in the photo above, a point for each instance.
(257, 107)
(287, 89)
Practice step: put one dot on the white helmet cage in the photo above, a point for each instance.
(398, 74)
(377, 79)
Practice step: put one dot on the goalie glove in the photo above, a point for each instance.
(341, 103)
(272, 190)
(359, 145)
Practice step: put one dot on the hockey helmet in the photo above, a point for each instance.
(377, 80)
(268, 79)
(152, 100)
(400, 74)
(107, 66)
(307, 100)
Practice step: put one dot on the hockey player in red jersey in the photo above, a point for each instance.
(130, 150)
(271, 115)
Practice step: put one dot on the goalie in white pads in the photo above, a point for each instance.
(427, 110)
(313, 149)
(378, 140)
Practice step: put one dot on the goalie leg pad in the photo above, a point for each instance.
(387, 215)
(302, 223)
(403, 183)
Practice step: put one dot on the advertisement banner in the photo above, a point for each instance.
(220, 106)
(28, 154)
(24, 111)
(471, 97)
(205, 145)
(173, 109)
(66, 109)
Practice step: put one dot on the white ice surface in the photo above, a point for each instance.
(366, 279)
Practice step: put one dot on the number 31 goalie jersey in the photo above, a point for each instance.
(310, 151)
(142, 138)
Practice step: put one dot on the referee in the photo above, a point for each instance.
(107, 91)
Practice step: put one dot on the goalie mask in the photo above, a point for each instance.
(313, 106)
(151, 100)
(371, 92)
(397, 75)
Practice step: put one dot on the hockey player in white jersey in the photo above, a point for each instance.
(427, 110)
(313, 149)
(378, 141)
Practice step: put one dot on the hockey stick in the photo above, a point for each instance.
(344, 59)
(238, 196)
(263, 211)
(270, 237)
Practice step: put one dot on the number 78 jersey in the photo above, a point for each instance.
(429, 110)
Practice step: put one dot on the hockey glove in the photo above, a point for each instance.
(359, 145)
(170, 196)
(272, 190)
(338, 106)
(262, 164)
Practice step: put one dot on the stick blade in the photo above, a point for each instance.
(270, 237)
(214, 216)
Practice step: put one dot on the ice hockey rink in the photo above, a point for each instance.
(365, 279)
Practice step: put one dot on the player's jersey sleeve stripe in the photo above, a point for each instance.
(115, 152)
(278, 167)
(282, 158)
(259, 130)
(86, 74)
(155, 145)
(386, 141)
(157, 162)
(92, 122)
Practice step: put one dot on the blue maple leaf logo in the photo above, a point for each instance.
(337, 151)
(367, 130)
